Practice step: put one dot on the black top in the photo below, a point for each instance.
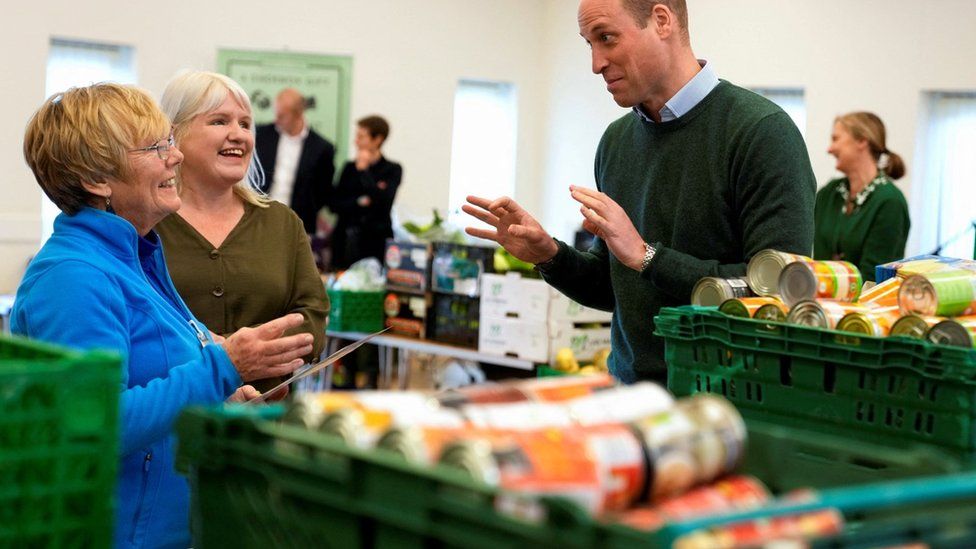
(313, 181)
(361, 231)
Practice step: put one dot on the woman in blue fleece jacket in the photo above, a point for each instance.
(104, 154)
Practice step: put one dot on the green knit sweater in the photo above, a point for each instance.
(729, 178)
(874, 233)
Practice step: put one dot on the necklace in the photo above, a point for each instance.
(845, 192)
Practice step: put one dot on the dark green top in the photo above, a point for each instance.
(264, 269)
(874, 233)
(729, 178)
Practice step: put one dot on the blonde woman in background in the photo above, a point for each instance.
(237, 258)
(861, 217)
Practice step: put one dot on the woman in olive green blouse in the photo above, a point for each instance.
(237, 258)
(862, 217)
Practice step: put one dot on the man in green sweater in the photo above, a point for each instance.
(700, 177)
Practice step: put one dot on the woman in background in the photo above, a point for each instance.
(237, 258)
(364, 197)
(862, 217)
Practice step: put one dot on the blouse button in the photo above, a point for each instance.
(214, 254)
(218, 291)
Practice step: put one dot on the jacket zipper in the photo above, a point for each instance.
(142, 495)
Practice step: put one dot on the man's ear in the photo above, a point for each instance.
(663, 20)
(98, 188)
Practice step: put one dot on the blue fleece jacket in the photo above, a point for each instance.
(97, 284)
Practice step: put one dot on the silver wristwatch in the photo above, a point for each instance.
(649, 252)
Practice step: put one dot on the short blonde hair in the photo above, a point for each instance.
(83, 135)
(193, 93)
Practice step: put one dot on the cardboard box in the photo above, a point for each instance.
(540, 341)
(407, 313)
(457, 268)
(407, 266)
(513, 296)
(584, 340)
(528, 340)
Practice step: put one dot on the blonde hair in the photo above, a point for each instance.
(867, 126)
(84, 134)
(193, 93)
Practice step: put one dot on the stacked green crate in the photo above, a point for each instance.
(268, 484)
(58, 445)
(352, 311)
(889, 391)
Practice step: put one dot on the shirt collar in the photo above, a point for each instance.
(687, 97)
(301, 135)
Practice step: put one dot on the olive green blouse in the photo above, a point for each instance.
(874, 233)
(264, 269)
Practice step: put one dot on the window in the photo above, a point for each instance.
(483, 143)
(943, 193)
(75, 63)
(791, 101)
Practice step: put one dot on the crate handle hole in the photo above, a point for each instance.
(830, 377)
(786, 371)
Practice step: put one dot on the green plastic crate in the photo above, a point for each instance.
(58, 445)
(264, 484)
(355, 311)
(882, 390)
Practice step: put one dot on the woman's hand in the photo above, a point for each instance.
(244, 393)
(262, 352)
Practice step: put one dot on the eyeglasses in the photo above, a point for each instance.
(161, 148)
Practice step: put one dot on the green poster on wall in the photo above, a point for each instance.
(324, 80)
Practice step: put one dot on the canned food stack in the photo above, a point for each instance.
(546, 436)
(924, 299)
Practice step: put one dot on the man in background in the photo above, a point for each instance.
(298, 162)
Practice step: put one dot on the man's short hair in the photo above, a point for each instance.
(84, 134)
(294, 99)
(375, 126)
(641, 11)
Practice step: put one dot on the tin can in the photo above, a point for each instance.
(884, 294)
(914, 326)
(822, 314)
(517, 416)
(802, 281)
(564, 388)
(563, 463)
(944, 293)
(622, 404)
(711, 291)
(958, 332)
(735, 493)
(746, 307)
(482, 393)
(773, 312)
(362, 426)
(875, 321)
(699, 439)
(309, 409)
(764, 270)
(418, 444)
(766, 532)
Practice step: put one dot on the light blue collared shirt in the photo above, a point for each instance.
(687, 97)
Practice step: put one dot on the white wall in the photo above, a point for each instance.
(407, 58)
(408, 55)
(877, 55)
